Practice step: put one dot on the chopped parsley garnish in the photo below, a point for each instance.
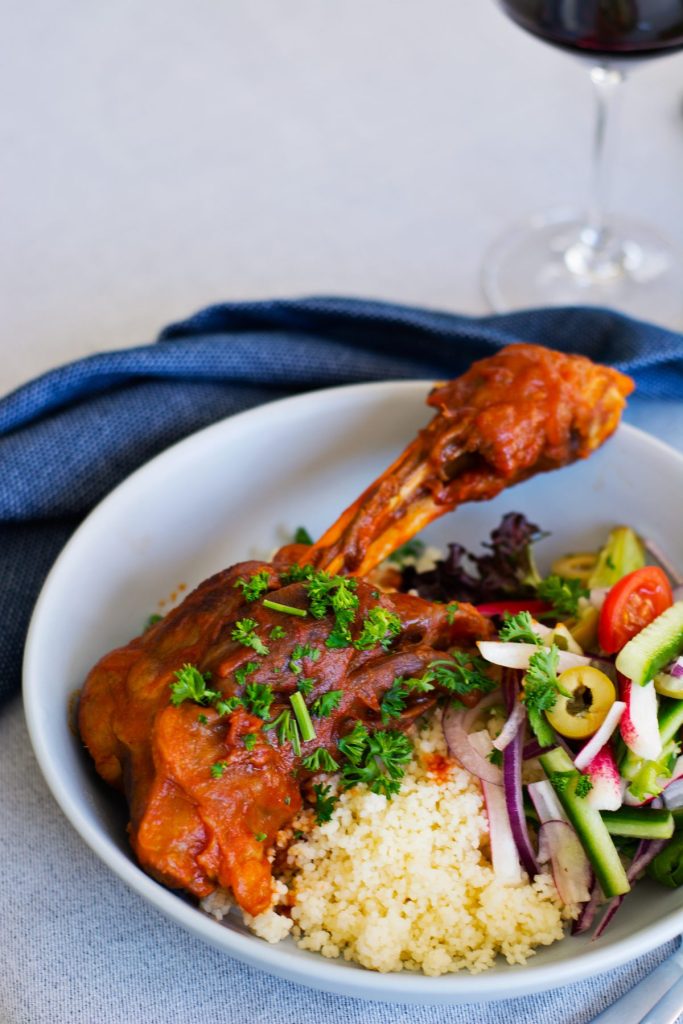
(496, 757)
(411, 549)
(286, 609)
(250, 740)
(259, 836)
(152, 621)
(257, 698)
(226, 707)
(302, 717)
(540, 692)
(320, 761)
(562, 594)
(519, 628)
(302, 536)
(379, 629)
(376, 759)
(451, 612)
(254, 586)
(298, 654)
(305, 684)
(202, 719)
(326, 703)
(287, 730)
(190, 684)
(329, 593)
(218, 769)
(463, 674)
(394, 701)
(245, 633)
(324, 803)
(244, 671)
(277, 633)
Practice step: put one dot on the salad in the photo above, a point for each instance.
(579, 750)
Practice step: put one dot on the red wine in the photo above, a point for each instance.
(609, 28)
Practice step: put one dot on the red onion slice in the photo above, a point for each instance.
(600, 738)
(559, 844)
(512, 785)
(504, 856)
(459, 742)
(511, 727)
(513, 655)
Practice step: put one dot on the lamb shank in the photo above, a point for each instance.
(212, 773)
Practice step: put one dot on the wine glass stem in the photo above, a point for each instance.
(597, 256)
(607, 87)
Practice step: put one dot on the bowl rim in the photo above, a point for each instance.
(314, 971)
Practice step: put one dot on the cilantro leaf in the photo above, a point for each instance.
(243, 671)
(277, 633)
(218, 769)
(305, 684)
(249, 739)
(354, 744)
(226, 707)
(299, 652)
(190, 684)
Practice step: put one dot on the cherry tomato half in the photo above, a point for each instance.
(631, 604)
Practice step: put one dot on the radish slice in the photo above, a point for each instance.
(512, 655)
(639, 727)
(511, 727)
(504, 856)
(607, 793)
(460, 745)
(544, 799)
(598, 741)
(597, 596)
(559, 844)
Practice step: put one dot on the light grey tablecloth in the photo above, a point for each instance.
(79, 947)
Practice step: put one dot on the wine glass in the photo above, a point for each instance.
(591, 258)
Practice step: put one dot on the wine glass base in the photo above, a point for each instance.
(553, 260)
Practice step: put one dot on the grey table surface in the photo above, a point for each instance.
(157, 157)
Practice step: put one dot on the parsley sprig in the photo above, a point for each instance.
(380, 626)
(257, 698)
(519, 629)
(394, 701)
(562, 594)
(244, 633)
(375, 759)
(560, 781)
(540, 691)
(190, 684)
(320, 760)
(326, 703)
(253, 587)
(324, 803)
(462, 673)
(326, 593)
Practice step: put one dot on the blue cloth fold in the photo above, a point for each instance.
(72, 434)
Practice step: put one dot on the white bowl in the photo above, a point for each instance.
(238, 489)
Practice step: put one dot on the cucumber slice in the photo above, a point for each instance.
(639, 823)
(588, 823)
(654, 647)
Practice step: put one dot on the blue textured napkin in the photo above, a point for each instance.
(71, 435)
